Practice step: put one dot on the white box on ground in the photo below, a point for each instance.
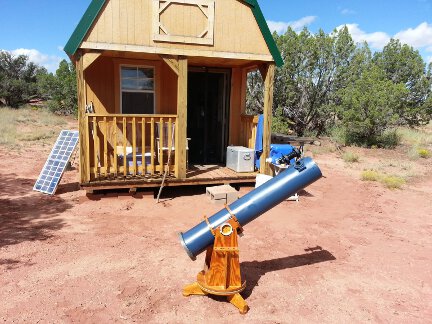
(261, 179)
(240, 159)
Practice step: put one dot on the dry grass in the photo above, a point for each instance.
(28, 125)
(390, 181)
(37, 135)
(421, 136)
(323, 149)
(350, 157)
(396, 168)
(418, 140)
(393, 182)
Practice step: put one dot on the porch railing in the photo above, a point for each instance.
(121, 146)
(249, 125)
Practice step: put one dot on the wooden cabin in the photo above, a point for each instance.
(162, 86)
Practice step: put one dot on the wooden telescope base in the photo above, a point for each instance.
(233, 297)
(221, 275)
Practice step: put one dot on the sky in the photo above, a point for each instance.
(41, 28)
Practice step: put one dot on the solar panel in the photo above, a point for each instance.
(55, 165)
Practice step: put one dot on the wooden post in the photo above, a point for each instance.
(105, 146)
(180, 129)
(268, 77)
(179, 65)
(161, 143)
(84, 173)
(115, 146)
(152, 148)
(134, 147)
(96, 148)
(243, 89)
(235, 107)
(124, 148)
(143, 147)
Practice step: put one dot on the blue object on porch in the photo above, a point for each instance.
(129, 160)
(259, 140)
(279, 150)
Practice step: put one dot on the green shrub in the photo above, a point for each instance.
(337, 134)
(393, 182)
(389, 139)
(423, 153)
(61, 88)
(370, 175)
(390, 181)
(280, 123)
(369, 108)
(350, 157)
(416, 152)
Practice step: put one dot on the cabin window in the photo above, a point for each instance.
(137, 90)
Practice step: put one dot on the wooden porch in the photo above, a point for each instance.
(124, 151)
(196, 175)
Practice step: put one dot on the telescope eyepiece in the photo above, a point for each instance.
(285, 159)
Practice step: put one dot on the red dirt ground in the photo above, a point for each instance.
(349, 251)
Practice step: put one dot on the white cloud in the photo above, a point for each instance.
(302, 22)
(376, 40)
(420, 36)
(50, 62)
(280, 26)
(347, 11)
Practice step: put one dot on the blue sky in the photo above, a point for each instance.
(41, 28)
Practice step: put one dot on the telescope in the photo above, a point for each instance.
(218, 233)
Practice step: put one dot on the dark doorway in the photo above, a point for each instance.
(208, 102)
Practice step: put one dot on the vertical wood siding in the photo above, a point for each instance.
(129, 22)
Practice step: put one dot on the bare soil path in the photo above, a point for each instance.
(349, 251)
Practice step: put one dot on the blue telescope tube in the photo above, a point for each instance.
(253, 204)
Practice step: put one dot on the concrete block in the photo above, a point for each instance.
(219, 202)
(231, 197)
(221, 195)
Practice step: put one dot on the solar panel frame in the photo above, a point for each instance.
(55, 165)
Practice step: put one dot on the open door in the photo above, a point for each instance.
(208, 111)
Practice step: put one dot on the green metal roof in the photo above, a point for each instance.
(96, 6)
(262, 23)
(84, 26)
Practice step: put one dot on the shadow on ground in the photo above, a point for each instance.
(253, 271)
(10, 264)
(26, 215)
(67, 187)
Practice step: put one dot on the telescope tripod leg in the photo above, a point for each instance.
(238, 301)
(193, 289)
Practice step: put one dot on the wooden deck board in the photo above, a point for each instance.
(196, 175)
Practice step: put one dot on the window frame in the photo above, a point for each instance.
(138, 91)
